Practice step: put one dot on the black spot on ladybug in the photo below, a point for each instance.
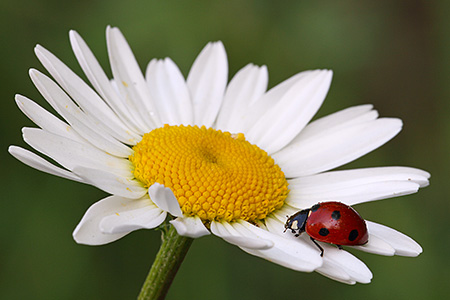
(353, 235)
(323, 231)
(336, 215)
(315, 207)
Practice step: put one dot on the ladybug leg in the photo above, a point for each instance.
(318, 246)
(340, 247)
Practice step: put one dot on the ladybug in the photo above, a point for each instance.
(330, 222)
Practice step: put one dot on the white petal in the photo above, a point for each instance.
(85, 97)
(335, 148)
(335, 273)
(357, 194)
(46, 120)
(129, 78)
(339, 262)
(276, 226)
(336, 121)
(291, 112)
(111, 183)
(190, 226)
(403, 245)
(146, 217)
(207, 80)
(355, 186)
(293, 254)
(71, 154)
(79, 121)
(168, 87)
(165, 199)
(239, 236)
(88, 230)
(350, 178)
(284, 213)
(376, 245)
(37, 162)
(266, 102)
(94, 72)
(246, 87)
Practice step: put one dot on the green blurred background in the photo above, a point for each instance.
(394, 54)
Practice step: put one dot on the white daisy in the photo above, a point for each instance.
(228, 159)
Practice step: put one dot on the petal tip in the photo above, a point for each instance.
(32, 72)
(38, 47)
(12, 149)
(190, 226)
(165, 199)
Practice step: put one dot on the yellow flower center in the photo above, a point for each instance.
(214, 175)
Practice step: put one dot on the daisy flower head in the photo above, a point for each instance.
(212, 157)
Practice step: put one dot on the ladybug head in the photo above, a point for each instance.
(297, 222)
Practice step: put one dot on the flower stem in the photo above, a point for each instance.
(169, 258)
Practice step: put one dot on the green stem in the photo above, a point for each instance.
(169, 258)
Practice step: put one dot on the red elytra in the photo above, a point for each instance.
(330, 222)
